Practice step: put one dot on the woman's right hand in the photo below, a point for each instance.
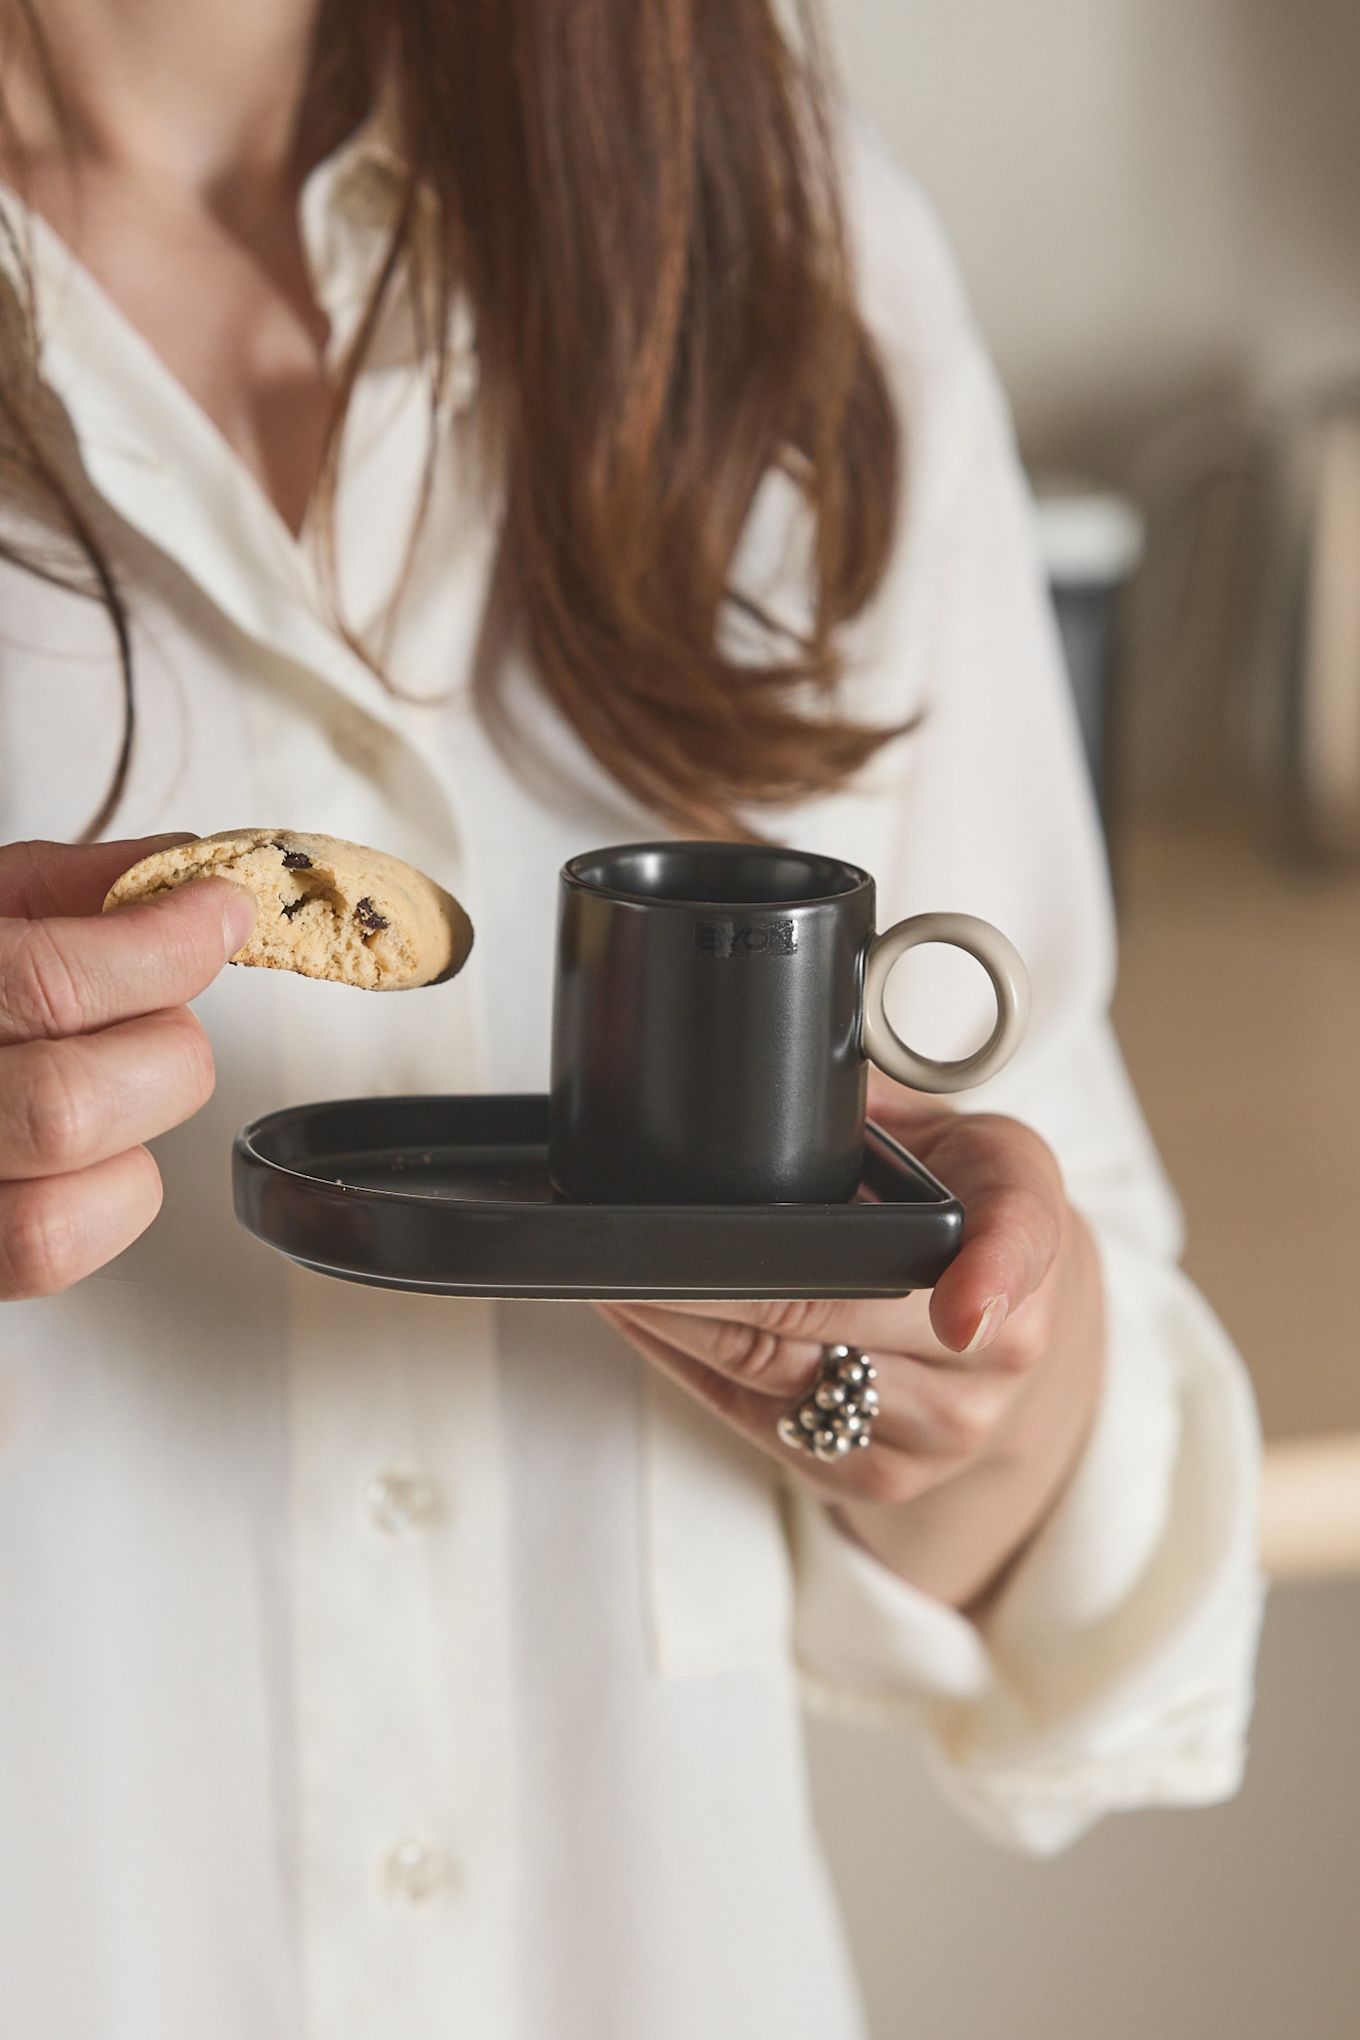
(98, 1051)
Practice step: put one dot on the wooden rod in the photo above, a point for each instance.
(1310, 1507)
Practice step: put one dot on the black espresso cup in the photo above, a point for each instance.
(714, 1007)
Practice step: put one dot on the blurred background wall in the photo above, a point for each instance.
(1156, 204)
(1150, 198)
(1156, 207)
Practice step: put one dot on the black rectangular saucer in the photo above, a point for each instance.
(451, 1196)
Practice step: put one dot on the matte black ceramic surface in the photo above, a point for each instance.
(706, 1025)
(452, 1195)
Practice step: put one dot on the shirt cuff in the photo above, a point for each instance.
(1115, 1667)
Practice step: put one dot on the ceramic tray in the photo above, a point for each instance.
(452, 1196)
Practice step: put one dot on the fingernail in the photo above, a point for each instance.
(989, 1324)
(238, 916)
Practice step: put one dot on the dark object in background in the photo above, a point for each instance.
(1090, 545)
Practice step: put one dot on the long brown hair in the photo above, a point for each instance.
(639, 199)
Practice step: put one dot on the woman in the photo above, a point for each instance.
(541, 450)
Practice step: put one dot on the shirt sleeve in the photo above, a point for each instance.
(1115, 1667)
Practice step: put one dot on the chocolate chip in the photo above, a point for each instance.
(291, 907)
(295, 860)
(368, 917)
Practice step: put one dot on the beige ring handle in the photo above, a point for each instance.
(1010, 982)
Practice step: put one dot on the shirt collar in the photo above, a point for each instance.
(141, 436)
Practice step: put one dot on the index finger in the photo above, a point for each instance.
(883, 1324)
(73, 974)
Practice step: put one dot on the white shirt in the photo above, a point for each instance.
(375, 1666)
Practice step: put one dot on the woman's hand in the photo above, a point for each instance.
(97, 1050)
(987, 1384)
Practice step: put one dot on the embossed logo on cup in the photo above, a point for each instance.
(746, 938)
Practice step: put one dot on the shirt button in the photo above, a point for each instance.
(415, 1871)
(401, 1502)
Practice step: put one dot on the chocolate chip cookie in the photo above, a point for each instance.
(328, 909)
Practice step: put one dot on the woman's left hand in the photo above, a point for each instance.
(987, 1384)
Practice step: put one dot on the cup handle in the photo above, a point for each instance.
(1010, 982)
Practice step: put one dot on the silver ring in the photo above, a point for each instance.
(837, 1414)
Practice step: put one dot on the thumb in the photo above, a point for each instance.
(1012, 1192)
(39, 879)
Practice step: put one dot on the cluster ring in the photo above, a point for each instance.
(836, 1416)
